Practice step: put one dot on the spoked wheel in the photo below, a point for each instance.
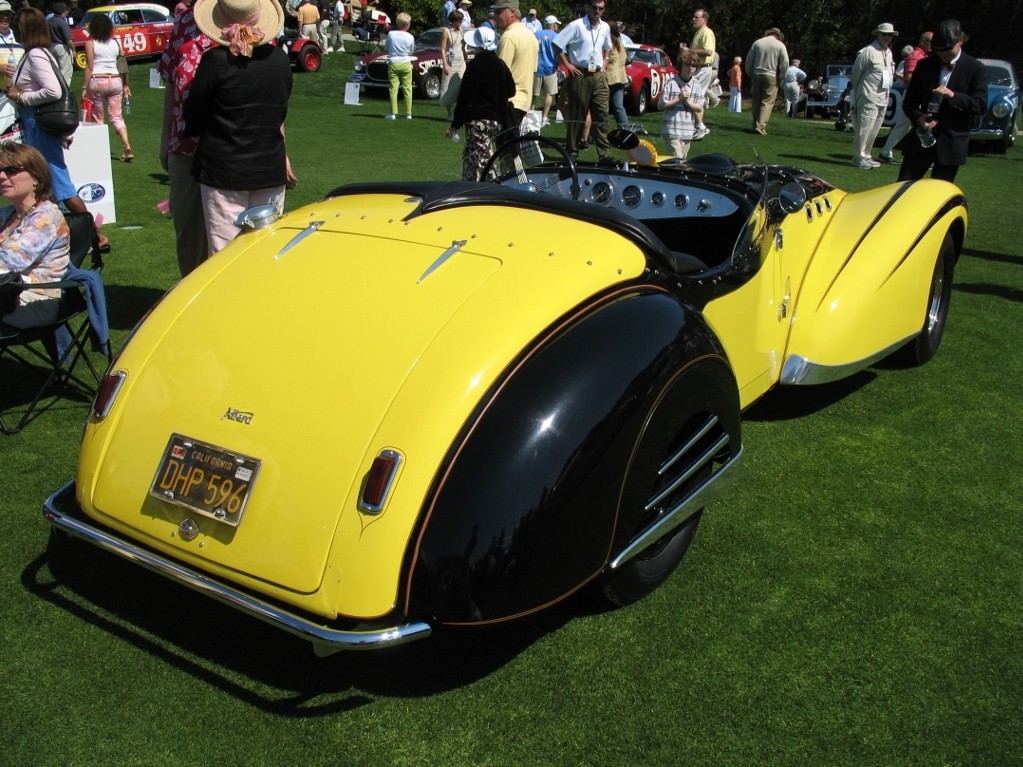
(431, 85)
(922, 348)
(511, 148)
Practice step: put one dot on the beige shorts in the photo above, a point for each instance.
(546, 84)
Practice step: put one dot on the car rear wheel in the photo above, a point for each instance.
(309, 58)
(690, 442)
(922, 348)
(431, 85)
(645, 572)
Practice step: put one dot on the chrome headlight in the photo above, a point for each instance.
(359, 67)
(1001, 109)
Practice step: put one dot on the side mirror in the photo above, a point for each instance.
(258, 217)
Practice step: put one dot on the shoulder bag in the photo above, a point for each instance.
(60, 116)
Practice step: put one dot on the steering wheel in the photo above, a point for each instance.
(531, 137)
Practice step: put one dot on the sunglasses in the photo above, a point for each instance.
(11, 170)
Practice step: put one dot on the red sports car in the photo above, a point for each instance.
(141, 29)
(649, 68)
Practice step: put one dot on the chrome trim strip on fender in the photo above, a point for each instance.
(325, 640)
(799, 371)
(700, 497)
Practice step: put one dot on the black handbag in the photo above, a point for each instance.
(59, 117)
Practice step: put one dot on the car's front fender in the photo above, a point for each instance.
(866, 289)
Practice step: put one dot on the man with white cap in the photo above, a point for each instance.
(790, 87)
(7, 37)
(464, 6)
(873, 73)
(547, 66)
(533, 23)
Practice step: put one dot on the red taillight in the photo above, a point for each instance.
(107, 393)
(379, 481)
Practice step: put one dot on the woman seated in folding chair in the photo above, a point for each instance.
(34, 237)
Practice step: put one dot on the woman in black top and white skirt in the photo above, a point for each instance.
(237, 106)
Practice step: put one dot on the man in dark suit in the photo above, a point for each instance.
(948, 90)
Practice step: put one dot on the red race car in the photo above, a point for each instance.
(649, 68)
(141, 29)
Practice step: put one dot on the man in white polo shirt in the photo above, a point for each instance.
(582, 48)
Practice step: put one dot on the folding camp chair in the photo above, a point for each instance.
(53, 352)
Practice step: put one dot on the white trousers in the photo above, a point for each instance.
(223, 206)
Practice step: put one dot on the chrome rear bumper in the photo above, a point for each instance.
(62, 511)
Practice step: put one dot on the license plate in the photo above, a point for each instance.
(205, 478)
(358, 77)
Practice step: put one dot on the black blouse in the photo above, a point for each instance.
(237, 106)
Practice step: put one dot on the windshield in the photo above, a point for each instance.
(429, 40)
(644, 56)
(998, 75)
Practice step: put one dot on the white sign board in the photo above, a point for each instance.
(352, 94)
(88, 161)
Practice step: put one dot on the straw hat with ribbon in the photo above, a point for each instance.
(239, 24)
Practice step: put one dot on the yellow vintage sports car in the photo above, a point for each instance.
(425, 404)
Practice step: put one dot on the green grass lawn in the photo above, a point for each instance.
(855, 599)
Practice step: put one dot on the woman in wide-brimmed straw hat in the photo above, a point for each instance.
(236, 106)
(239, 24)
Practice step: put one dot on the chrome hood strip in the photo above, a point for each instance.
(325, 640)
(313, 227)
(456, 245)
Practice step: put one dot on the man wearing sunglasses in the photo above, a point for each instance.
(873, 73)
(582, 48)
(947, 92)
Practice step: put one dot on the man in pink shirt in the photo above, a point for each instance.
(185, 48)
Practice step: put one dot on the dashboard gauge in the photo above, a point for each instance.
(632, 196)
(601, 192)
(657, 199)
(681, 201)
